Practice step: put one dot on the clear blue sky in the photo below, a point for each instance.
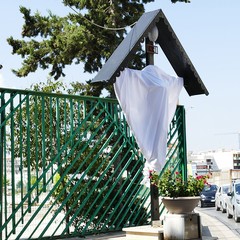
(210, 34)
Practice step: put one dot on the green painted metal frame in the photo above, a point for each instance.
(71, 166)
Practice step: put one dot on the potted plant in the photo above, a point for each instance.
(177, 195)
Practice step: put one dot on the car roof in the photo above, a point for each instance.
(226, 184)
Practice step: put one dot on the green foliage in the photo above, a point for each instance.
(48, 127)
(54, 42)
(6, 182)
(34, 180)
(59, 41)
(172, 184)
(29, 121)
(105, 206)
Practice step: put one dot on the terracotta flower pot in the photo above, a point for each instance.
(180, 205)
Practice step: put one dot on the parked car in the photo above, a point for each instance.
(233, 202)
(220, 197)
(208, 195)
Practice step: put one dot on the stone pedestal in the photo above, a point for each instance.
(182, 226)
(144, 233)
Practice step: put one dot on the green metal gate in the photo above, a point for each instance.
(70, 166)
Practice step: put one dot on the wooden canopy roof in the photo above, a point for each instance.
(168, 42)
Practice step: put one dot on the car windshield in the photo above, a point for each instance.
(237, 187)
(209, 187)
(225, 189)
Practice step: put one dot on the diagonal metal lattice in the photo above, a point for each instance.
(71, 166)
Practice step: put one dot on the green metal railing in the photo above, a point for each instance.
(70, 166)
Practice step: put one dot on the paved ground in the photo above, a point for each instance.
(211, 229)
(214, 229)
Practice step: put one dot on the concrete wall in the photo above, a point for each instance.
(224, 177)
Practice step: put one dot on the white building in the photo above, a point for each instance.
(214, 161)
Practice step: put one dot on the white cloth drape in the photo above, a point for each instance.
(148, 99)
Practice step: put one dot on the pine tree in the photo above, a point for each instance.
(88, 35)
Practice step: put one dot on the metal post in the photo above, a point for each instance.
(153, 189)
(2, 184)
(149, 48)
(155, 216)
(182, 132)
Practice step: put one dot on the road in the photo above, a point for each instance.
(222, 217)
